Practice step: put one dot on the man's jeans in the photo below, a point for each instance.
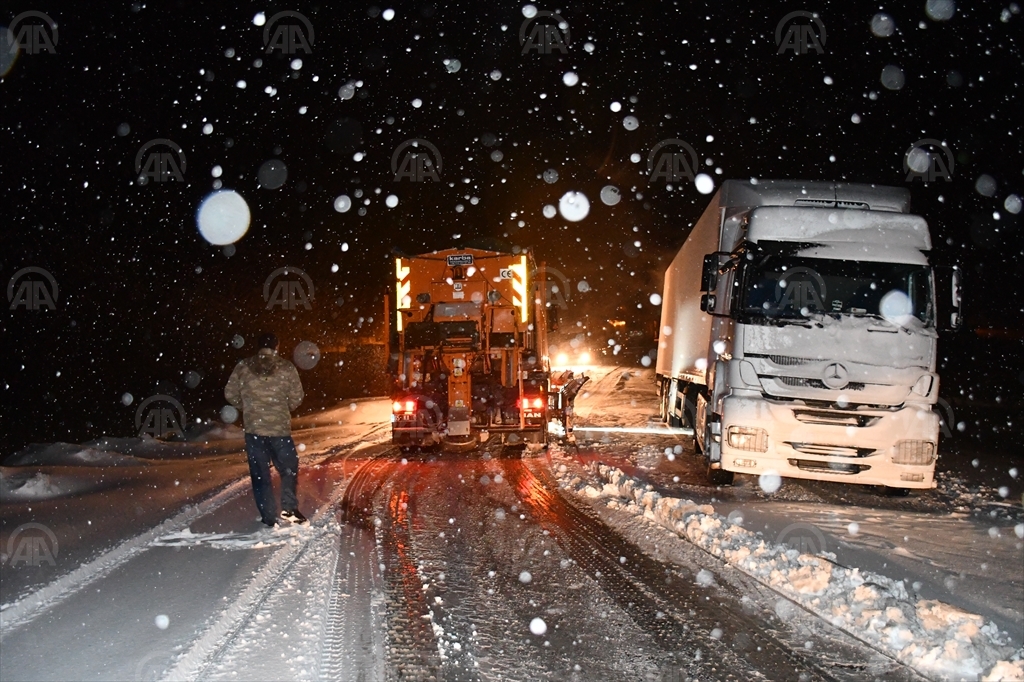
(262, 450)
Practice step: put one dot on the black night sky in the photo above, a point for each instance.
(144, 300)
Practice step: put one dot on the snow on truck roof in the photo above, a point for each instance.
(747, 194)
(838, 225)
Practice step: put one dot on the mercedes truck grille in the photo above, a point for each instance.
(835, 418)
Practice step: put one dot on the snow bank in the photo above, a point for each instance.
(204, 433)
(67, 454)
(934, 638)
(201, 440)
(20, 486)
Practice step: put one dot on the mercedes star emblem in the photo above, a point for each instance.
(836, 376)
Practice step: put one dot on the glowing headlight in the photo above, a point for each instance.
(747, 438)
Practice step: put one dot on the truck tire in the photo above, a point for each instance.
(719, 477)
(689, 407)
(895, 492)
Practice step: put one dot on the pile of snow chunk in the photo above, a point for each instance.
(934, 638)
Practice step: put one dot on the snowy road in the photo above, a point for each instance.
(478, 566)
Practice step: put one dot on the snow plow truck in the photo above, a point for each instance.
(468, 350)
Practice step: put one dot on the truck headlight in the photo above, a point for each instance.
(915, 452)
(747, 438)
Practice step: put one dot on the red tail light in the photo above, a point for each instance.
(407, 406)
(527, 403)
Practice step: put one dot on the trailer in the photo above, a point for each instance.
(468, 350)
(798, 334)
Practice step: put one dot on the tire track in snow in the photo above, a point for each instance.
(300, 600)
(205, 649)
(412, 646)
(351, 646)
(30, 607)
(846, 654)
(433, 536)
(600, 552)
(209, 646)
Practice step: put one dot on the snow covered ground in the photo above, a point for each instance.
(133, 559)
(950, 565)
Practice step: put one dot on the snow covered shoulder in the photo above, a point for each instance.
(936, 639)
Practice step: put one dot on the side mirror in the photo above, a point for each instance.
(552, 319)
(709, 275)
(949, 297)
(711, 281)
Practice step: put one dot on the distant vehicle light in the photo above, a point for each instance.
(584, 357)
(562, 359)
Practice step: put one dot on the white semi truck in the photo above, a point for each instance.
(798, 334)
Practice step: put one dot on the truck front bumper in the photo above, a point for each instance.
(848, 446)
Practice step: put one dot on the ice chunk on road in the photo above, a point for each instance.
(705, 578)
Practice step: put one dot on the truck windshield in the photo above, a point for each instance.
(786, 287)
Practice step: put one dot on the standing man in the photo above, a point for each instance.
(266, 388)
